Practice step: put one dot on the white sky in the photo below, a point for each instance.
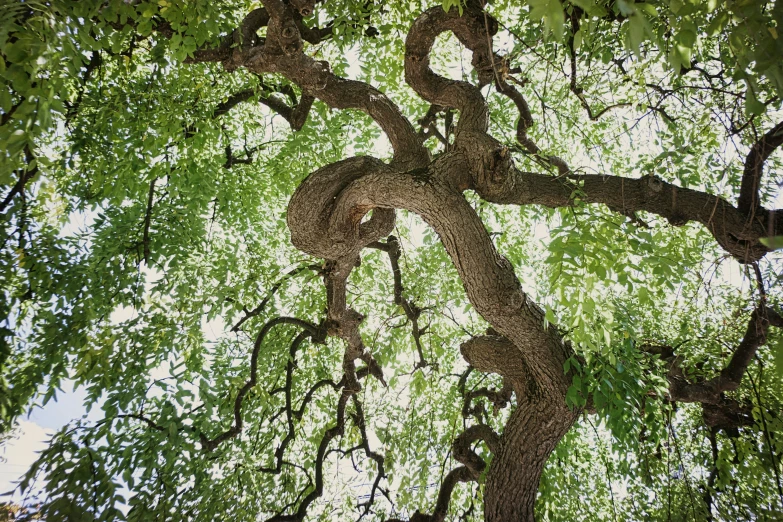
(20, 453)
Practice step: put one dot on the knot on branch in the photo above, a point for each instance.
(727, 416)
(677, 220)
(321, 80)
(484, 65)
(320, 334)
(287, 35)
(655, 184)
(305, 7)
(496, 354)
(315, 226)
(489, 162)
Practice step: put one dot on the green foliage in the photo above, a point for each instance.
(135, 246)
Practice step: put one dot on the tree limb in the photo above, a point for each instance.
(313, 331)
(748, 202)
(412, 312)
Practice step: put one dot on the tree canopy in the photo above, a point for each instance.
(421, 261)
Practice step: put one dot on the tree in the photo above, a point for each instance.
(438, 291)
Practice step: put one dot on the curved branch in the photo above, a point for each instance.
(232, 101)
(281, 53)
(720, 411)
(474, 29)
(748, 201)
(454, 477)
(488, 278)
(242, 38)
(464, 454)
(315, 78)
(312, 331)
(709, 391)
(412, 311)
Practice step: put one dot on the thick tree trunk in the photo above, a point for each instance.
(530, 436)
(540, 420)
(325, 216)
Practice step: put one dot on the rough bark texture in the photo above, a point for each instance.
(325, 218)
(325, 215)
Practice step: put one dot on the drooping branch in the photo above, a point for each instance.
(323, 446)
(412, 311)
(361, 423)
(147, 221)
(718, 410)
(316, 333)
(338, 429)
(287, 408)
(524, 123)
(315, 488)
(149, 422)
(26, 174)
(271, 292)
(574, 16)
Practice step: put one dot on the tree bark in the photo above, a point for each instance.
(540, 420)
(530, 435)
(325, 216)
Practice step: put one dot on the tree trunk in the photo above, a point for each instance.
(530, 436)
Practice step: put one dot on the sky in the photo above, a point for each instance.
(34, 432)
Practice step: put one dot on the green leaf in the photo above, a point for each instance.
(551, 12)
(777, 354)
(773, 242)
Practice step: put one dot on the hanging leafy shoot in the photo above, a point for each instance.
(353, 260)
